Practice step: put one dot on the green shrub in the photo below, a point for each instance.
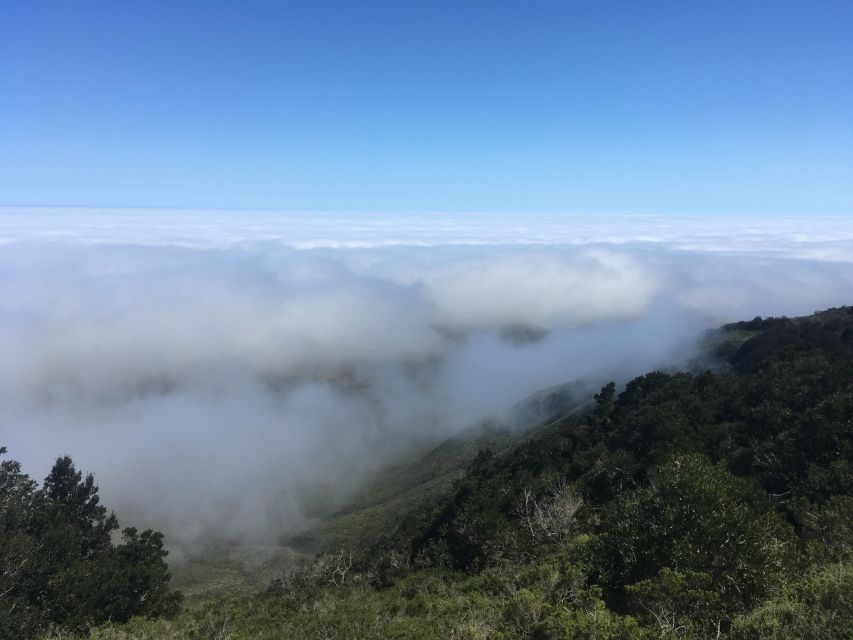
(818, 607)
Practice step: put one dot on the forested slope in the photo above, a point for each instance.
(689, 505)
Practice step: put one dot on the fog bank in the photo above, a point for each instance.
(216, 369)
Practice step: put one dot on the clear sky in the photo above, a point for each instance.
(648, 107)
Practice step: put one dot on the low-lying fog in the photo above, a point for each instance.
(214, 369)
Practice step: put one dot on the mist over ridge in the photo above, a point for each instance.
(214, 368)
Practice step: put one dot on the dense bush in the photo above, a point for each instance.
(694, 545)
(819, 607)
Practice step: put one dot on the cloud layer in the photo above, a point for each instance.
(217, 369)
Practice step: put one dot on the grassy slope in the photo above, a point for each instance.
(424, 475)
(396, 490)
(223, 570)
(388, 496)
(420, 476)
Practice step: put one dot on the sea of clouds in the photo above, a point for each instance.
(217, 370)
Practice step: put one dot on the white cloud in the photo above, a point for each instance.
(212, 367)
(546, 289)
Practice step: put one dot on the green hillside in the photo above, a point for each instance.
(422, 476)
(686, 505)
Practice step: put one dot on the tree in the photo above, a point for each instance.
(58, 564)
(18, 549)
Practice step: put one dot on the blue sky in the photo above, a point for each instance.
(594, 107)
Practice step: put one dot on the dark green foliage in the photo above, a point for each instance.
(19, 551)
(679, 603)
(706, 489)
(827, 528)
(58, 564)
(783, 417)
(697, 539)
(818, 607)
